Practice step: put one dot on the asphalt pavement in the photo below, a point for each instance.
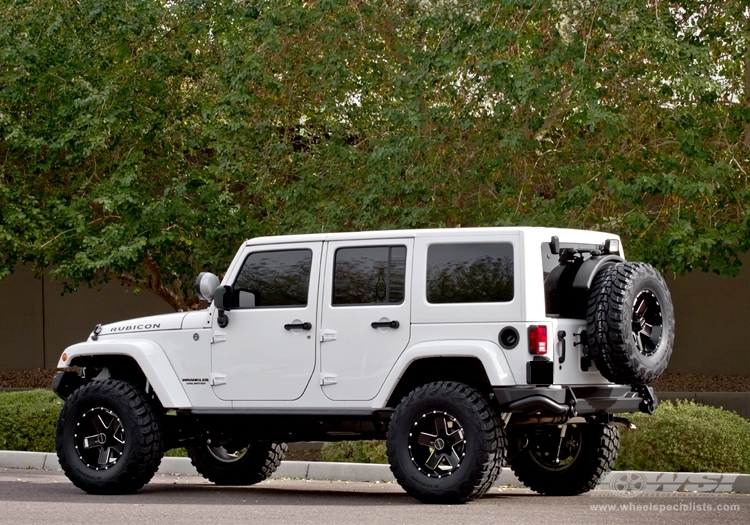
(47, 497)
(325, 471)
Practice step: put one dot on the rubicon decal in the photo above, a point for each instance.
(129, 328)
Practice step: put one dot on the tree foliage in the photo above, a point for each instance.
(143, 140)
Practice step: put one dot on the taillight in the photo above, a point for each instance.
(538, 339)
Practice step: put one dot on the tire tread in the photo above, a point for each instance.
(610, 341)
(493, 442)
(596, 461)
(146, 441)
(258, 466)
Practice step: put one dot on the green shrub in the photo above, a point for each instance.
(355, 452)
(686, 437)
(28, 419)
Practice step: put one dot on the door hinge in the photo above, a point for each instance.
(219, 337)
(328, 335)
(328, 379)
(218, 379)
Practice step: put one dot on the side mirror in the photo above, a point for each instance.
(223, 298)
(247, 299)
(223, 303)
(205, 285)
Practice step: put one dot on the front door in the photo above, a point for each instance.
(365, 321)
(267, 351)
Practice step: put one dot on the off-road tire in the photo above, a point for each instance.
(123, 415)
(622, 351)
(592, 458)
(479, 443)
(258, 462)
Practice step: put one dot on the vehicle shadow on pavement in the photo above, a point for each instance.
(291, 492)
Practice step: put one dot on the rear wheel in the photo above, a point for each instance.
(445, 444)
(237, 463)
(567, 460)
(109, 440)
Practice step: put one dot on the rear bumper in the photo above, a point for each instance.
(572, 401)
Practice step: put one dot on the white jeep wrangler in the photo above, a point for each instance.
(465, 349)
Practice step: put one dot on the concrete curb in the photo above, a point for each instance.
(320, 470)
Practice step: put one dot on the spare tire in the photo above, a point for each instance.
(630, 323)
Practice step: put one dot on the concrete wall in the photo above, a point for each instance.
(712, 314)
(37, 323)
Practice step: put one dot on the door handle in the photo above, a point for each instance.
(385, 324)
(298, 326)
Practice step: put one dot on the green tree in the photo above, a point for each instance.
(143, 140)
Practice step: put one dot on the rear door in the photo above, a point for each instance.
(365, 315)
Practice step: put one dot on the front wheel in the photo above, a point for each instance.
(237, 463)
(445, 443)
(566, 460)
(109, 440)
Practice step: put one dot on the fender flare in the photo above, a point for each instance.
(591, 267)
(149, 356)
(489, 354)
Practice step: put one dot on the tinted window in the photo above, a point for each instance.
(367, 275)
(280, 278)
(470, 273)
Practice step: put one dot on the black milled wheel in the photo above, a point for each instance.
(586, 453)
(445, 443)
(630, 323)
(108, 438)
(237, 464)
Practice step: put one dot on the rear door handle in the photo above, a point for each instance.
(298, 326)
(385, 324)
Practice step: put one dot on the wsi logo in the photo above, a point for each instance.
(631, 484)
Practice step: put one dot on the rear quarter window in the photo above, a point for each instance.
(470, 273)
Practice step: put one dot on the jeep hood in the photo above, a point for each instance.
(145, 324)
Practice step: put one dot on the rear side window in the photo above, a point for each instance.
(369, 275)
(470, 273)
(279, 278)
